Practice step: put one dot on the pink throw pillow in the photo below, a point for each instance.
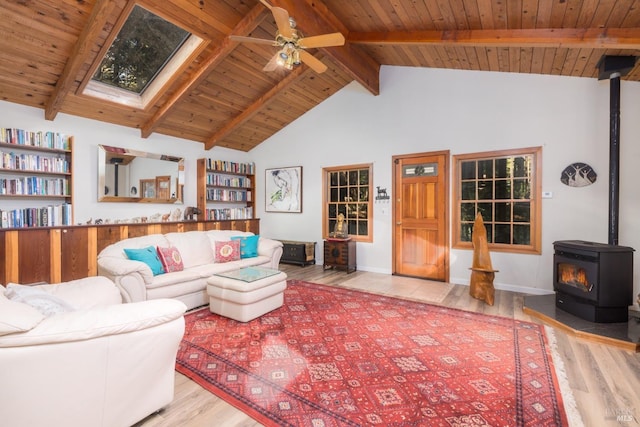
(171, 259)
(228, 251)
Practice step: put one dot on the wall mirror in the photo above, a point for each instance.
(126, 175)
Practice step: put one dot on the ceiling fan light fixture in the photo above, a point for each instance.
(292, 43)
(288, 56)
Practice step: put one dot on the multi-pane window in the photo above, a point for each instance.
(348, 192)
(504, 188)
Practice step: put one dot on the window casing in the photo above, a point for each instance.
(504, 186)
(144, 44)
(347, 191)
(135, 81)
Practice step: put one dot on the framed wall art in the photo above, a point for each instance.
(163, 187)
(283, 189)
(148, 188)
(578, 175)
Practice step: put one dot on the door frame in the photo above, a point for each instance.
(447, 210)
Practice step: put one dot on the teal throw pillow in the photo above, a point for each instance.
(248, 245)
(149, 256)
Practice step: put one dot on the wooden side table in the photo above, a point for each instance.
(340, 254)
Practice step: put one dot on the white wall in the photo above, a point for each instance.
(421, 110)
(418, 110)
(88, 134)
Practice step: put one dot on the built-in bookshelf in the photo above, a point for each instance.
(35, 179)
(226, 189)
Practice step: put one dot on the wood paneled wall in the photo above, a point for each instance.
(60, 254)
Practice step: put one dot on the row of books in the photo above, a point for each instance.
(233, 167)
(46, 216)
(53, 140)
(34, 186)
(34, 162)
(219, 195)
(228, 181)
(229, 213)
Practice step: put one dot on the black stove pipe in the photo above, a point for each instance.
(614, 158)
(116, 161)
(612, 68)
(116, 184)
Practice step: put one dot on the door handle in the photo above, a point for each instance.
(398, 223)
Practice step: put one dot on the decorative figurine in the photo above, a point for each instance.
(482, 272)
(340, 230)
(190, 211)
(176, 214)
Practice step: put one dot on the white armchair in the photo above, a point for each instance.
(102, 364)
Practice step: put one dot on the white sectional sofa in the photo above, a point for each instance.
(73, 355)
(198, 251)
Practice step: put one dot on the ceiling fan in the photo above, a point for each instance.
(292, 43)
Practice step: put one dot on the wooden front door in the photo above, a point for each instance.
(421, 230)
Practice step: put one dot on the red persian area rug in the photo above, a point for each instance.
(337, 357)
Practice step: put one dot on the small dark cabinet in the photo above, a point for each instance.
(302, 253)
(340, 254)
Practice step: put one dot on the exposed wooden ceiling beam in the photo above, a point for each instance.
(96, 22)
(247, 24)
(313, 18)
(593, 38)
(256, 106)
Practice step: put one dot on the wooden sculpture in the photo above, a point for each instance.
(482, 273)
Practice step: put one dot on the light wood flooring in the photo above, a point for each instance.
(604, 380)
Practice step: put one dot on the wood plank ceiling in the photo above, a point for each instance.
(222, 97)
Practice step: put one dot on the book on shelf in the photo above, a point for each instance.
(35, 186)
(228, 181)
(222, 195)
(34, 162)
(231, 167)
(52, 140)
(229, 214)
(46, 216)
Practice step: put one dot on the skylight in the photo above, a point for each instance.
(143, 46)
(147, 54)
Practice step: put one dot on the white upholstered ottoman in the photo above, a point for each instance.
(247, 293)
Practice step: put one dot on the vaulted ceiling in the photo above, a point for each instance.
(222, 97)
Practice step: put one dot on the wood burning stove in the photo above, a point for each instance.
(593, 281)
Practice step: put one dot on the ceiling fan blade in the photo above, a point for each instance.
(314, 63)
(282, 21)
(272, 65)
(243, 39)
(324, 40)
